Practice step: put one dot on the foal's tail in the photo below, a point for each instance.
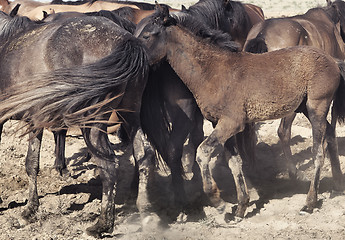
(75, 96)
(339, 101)
(256, 45)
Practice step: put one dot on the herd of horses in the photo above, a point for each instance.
(160, 72)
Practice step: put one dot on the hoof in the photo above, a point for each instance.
(29, 215)
(152, 223)
(97, 230)
(306, 210)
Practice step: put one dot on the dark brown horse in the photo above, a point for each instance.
(317, 27)
(84, 68)
(226, 88)
(232, 17)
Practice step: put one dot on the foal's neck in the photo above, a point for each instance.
(194, 60)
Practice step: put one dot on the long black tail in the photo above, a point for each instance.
(256, 45)
(153, 114)
(67, 97)
(339, 101)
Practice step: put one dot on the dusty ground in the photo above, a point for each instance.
(71, 203)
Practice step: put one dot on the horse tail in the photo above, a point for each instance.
(76, 95)
(339, 101)
(153, 115)
(256, 45)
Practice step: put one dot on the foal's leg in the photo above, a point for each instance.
(99, 145)
(60, 140)
(235, 164)
(284, 133)
(317, 118)
(213, 146)
(32, 167)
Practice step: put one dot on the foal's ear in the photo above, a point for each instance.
(183, 8)
(329, 2)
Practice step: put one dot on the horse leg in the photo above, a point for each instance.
(1, 127)
(246, 141)
(60, 160)
(32, 167)
(235, 164)
(144, 156)
(284, 133)
(319, 125)
(211, 147)
(332, 148)
(99, 145)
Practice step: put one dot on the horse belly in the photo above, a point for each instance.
(274, 109)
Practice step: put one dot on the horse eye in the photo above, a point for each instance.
(146, 35)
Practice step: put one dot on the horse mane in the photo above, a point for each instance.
(118, 19)
(208, 10)
(238, 14)
(198, 28)
(124, 12)
(12, 26)
(61, 2)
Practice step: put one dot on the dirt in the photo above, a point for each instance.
(71, 203)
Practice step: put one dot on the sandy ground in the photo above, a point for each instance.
(71, 203)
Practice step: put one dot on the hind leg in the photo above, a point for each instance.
(32, 167)
(60, 141)
(332, 147)
(246, 141)
(317, 118)
(284, 133)
(99, 145)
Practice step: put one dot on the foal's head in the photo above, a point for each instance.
(151, 30)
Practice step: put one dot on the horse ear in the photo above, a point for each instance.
(45, 14)
(227, 5)
(183, 8)
(329, 2)
(14, 11)
(169, 21)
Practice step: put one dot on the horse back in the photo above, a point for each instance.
(255, 13)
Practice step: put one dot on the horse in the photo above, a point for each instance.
(84, 69)
(173, 115)
(339, 15)
(229, 16)
(26, 5)
(224, 84)
(317, 27)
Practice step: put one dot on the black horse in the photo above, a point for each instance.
(84, 69)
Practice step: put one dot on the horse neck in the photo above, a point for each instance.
(191, 58)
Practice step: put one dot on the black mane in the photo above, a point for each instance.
(218, 14)
(11, 26)
(198, 28)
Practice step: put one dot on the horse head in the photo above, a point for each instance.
(336, 10)
(152, 32)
